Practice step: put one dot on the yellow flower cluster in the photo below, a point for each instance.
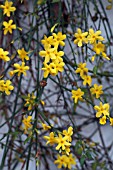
(5, 85)
(103, 113)
(102, 110)
(63, 141)
(93, 38)
(96, 41)
(66, 161)
(20, 68)
(7, 9)
(53, 62)
(83, 71)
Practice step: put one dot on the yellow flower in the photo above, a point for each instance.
(51, 139)
(102, 109)
(8, 87)
(66, 161)
(3, 55)
(81, 66)
(46, 69)
(30, 101)
(11, 73)
(53, 62)
(87, 80)
(8, 26)
(27, 123)
(46, 127)
(97, 90)
(94, 36)
(83, 73)
(47, 41)
(62, 142)
(66, 151)
(7, 8)
(53, 70)
(70, 161)
(58, 55)
(68, 133)
(102, 120)
(59, 66)
(77, 95)
(99, 48)
(20, 68)
(5, 86)
(61, 161)
(23, 54)
(82, 70)
(80, 37)
(58, 39)
(93, 58)
(55, 67)
(48, 54)
(2, 85)
(111, 121)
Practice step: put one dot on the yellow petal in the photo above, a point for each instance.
(19, 28)
(52, 29)
(42, 102)
(1, 76)
(12, 41)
